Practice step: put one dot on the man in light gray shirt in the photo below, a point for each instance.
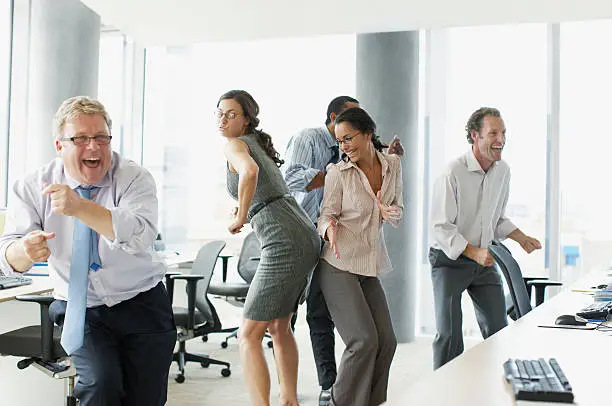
(468, 213)
(123, 349)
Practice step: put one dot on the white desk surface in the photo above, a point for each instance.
(476, 377)
(40, 284)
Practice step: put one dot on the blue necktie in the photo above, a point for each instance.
(84, 256)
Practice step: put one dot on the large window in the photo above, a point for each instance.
(293, 80)
(586, 194)
(5, 85)
(502, 67)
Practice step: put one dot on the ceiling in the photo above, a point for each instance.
(176, 22)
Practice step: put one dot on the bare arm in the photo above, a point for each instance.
(237, 154)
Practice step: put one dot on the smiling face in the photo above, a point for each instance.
(231, 121)
(352, 142)
(88, 163)
(490, 141)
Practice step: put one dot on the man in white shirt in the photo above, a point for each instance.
(468, 213)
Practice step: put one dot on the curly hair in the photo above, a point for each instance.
(475, 121)
(361, 121)
(251, 111)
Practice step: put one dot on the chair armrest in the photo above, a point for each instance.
(46, 325)
(544, 283)
(192, 284)
(170, 284)
(540, 287)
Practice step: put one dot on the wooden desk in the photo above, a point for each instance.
(40, 284)
(476, 377)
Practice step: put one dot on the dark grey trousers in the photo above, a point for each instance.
(450, 278)
(359, 309)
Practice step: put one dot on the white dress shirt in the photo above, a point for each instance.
(469, 204)
(129, 265)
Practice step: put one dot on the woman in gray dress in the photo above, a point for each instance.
(290, 246)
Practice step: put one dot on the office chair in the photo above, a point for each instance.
(41, 347)
(200, 317)
(520, 298)
(248, 260)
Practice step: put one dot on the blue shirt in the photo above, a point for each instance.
(308, 153)
(129, 265)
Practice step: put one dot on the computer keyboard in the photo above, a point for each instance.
(13, 281)
(596, 311)
(538, 380)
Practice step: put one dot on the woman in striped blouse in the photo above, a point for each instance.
(361, 192)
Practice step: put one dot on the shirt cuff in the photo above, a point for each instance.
(503, 229)
(124, 225)
(309, 175)
(5, 268)
(456, 248)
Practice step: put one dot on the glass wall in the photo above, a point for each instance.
(293, 80)
(586, 195)
(6, 28)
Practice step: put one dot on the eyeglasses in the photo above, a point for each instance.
(81, 140)
(348, 140)
(230, 115)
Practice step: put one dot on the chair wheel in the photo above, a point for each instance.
(205, 338)
(226, 372)
(223, 344)
(180, 378)
(270, 344)
(205, 364)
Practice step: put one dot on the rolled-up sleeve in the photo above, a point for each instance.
(23, 216)
(443, 217)
(135, 217)
(299, 161)
(332, 200)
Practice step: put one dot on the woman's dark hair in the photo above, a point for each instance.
(361, 121)
(251, 111)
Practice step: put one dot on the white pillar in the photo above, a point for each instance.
(388, 87)
(64, 48)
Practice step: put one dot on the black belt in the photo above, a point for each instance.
(257, 208)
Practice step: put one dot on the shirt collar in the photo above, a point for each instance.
(384, 163)
(330, 141)
(472, 163)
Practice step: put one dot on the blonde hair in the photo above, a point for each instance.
(77, 106)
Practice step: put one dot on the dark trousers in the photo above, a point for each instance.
(126, 352)
(359, 308)
(322, 335)
(450, 278)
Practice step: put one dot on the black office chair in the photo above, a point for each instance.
(200, 317)
(41, 347)
(519, 301)
(248, 260)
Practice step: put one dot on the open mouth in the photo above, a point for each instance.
(92, 162)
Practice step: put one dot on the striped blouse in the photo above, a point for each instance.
(349, 199)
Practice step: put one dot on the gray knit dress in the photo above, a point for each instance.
(290, 244)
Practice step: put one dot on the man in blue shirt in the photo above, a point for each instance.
(123, 349)
(308, 154)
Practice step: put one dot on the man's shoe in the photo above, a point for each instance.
(325, 397)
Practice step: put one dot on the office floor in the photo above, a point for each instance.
(205, 386)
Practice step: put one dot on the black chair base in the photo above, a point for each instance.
(182, 357)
